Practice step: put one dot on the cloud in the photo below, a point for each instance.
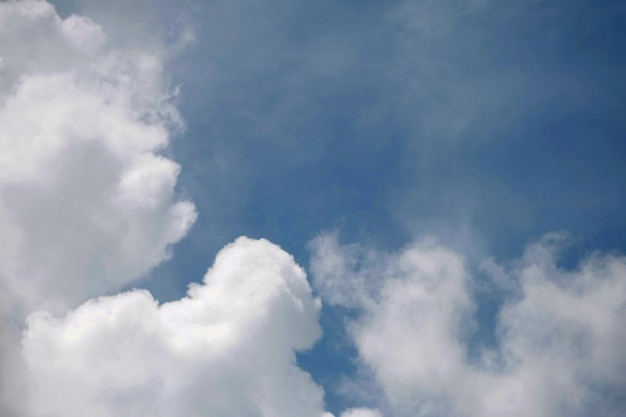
(87, 196)
(12, 382)
(559, 335)
(88, 206)
(361, 412)
(225, 349)
(87, 201)
(346, 275)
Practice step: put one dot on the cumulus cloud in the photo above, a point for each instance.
(88, 206)
(227, 349)
(87, 201)
(559, 335)
(35, 40)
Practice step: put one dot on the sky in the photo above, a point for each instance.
(326, 209)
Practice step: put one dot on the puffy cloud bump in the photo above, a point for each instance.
(227, 349)
(87, 201)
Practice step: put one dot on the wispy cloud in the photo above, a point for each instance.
(558, 337)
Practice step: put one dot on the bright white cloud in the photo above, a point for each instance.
(227, 349)
(87, 206)
(560, 335)
(87, 203)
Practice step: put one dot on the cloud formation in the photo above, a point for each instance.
(87, 202)
(87, 207)
(559, 334)
(227, 349)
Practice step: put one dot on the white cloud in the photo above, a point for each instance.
(346, 275)
(88, 206)
(87, 203)
(560, 335)
(34, 39)
(361, 412)
(226, 349)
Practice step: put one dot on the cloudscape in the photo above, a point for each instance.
(312, 209)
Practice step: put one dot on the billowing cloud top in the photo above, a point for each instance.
(87, 202)
(227, 349)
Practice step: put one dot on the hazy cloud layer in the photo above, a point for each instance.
(559, 332)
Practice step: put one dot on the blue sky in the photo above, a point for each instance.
(482, 125)
(487, 126)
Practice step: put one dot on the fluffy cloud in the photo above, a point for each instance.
(87, 201)
(225, 349)
(88, 206)
(559, 334)
(35, 40)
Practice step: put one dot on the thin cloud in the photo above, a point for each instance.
(559, 337)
